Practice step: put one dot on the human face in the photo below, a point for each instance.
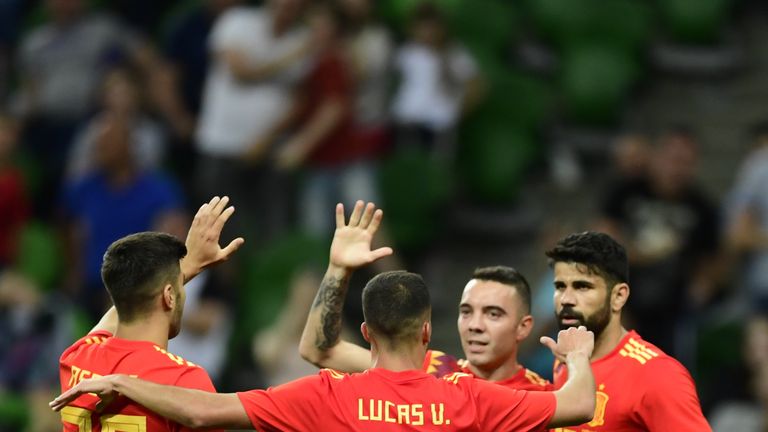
(581, 298)
(178, 309)
(490, 314)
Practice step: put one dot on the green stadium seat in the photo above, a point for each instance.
(39, 255)
(694, 21)
(413, 188)
(595, 80)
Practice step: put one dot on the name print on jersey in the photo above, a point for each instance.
(379, 410)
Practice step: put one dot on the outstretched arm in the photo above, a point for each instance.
(576, 399)
(351, 248)
(191, 408)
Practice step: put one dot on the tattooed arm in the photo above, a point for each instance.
(351, 248)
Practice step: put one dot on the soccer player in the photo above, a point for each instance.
(494, 315)
(144, 274)
(392, 395)
(639, 387)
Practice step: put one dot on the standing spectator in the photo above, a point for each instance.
(257, 55)
(61, 64)
(321, 123)
(14, 206)
(671, 229)
(116, 199)
(121, 98)
(747, 213)
(439, 82)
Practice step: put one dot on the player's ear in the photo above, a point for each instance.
(364, 331)
(426, 332)
(524, 327)
(619, 296)
(169, 297)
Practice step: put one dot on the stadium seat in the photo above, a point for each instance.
(694, 21)
(39, 255)
(413, 188)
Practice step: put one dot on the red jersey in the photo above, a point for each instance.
(440, 364)
(99, 354)
(640, 388)
(383, 400)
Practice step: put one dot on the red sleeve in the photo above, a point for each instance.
(501, 408)
(670, 402)
(297, 405)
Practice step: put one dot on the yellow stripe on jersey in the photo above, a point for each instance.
(635, 350)
(454, 377)
(95, 340)
(335, 374)
(535, 378)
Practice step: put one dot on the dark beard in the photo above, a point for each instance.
(595, 323)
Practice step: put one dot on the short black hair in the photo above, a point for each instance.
(507, 276)
(395, 305)
(136, 267)
(598, 251)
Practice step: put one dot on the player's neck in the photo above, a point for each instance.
(504, 372)
(608, 339)
(150, 329)
(398, 361)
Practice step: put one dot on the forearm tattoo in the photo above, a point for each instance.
(330, 298)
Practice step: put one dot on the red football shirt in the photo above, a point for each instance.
(440, 364)
(383, 400)
(99, 354)
(640, 388)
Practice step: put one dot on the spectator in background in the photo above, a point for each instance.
(747, 220)
(14, 204)
(439, 82)
(631, 156)
(671, 230)
(177, 91)
(61, 64)
(320, 125)
(116, 199)
(121, 99)
(750, 415)
(370, 49)
(257, 57)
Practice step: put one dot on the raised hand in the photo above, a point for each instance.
(103, 387)
(351, 246)
(572, 340)
(202, 243)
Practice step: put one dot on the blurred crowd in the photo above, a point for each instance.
(125, 115)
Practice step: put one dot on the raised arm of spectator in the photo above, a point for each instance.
(351, 248)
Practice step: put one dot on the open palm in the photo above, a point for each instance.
(351, 246)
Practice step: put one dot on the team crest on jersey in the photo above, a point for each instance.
(601, 399)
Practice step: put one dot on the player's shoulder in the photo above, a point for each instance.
(163, 358)
(333, 374)
(92, 339)
(534, 381)
(647, 359)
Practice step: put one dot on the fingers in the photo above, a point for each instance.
(357, 214)
(233, 246)
(381, 253)
(375, 221)
(367, 215)
(218, 223)
(549, 343)
(63, 399)
(339, 215)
